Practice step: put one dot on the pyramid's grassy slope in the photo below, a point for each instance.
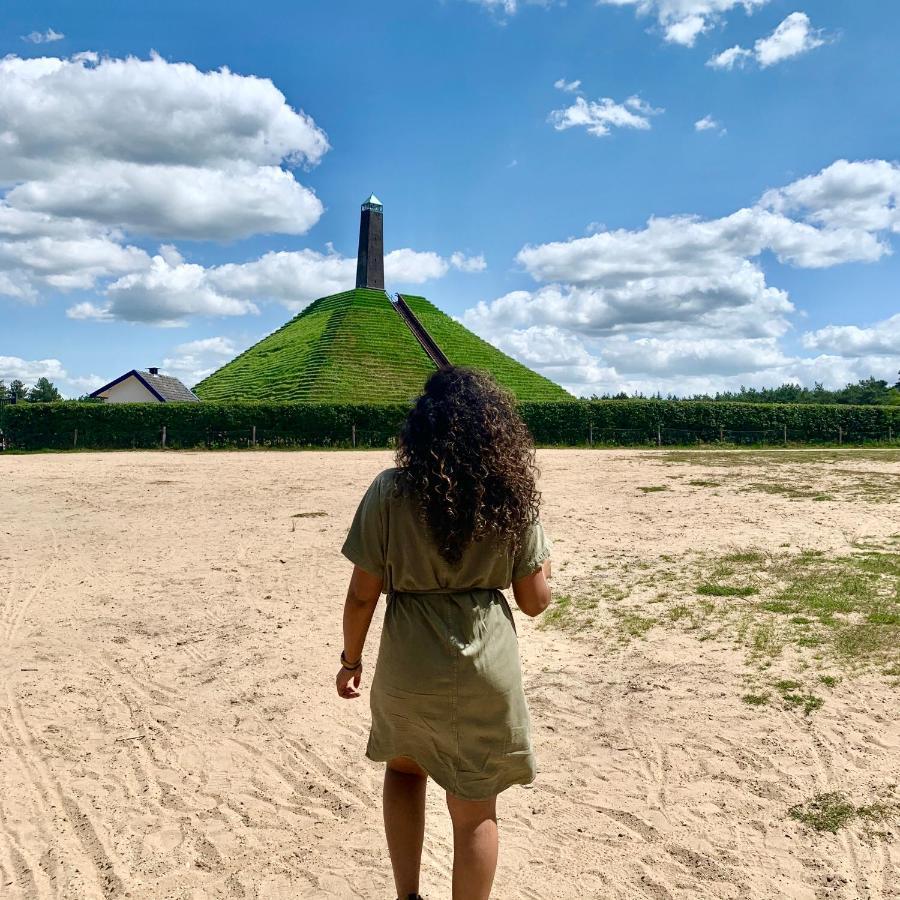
(351, 348)
(355, 348)
(464, 348)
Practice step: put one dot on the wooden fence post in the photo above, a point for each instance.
(840, 435)
(785, 435)
(354, 434)
(164, 437)
(75, 439)
(253, 438)
(590, 434)
(721, 434)
(658, 436)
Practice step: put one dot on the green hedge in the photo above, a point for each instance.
(44, 426)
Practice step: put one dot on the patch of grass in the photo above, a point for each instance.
(308, 515)
(825, 812)
(755, 699)
(653, 488)
(787, 684)
(704, 482)
(744, 557)
(725, 590)
(634, 624)
(829, 680)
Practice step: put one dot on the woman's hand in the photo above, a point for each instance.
(348, 682)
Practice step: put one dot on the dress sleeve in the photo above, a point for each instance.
(366, 543)
(532, 551)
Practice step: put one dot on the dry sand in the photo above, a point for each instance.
(169, 728)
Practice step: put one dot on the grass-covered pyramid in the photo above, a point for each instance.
(355, 347)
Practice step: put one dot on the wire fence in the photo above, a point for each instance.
(193, 438)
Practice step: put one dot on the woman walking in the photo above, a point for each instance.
(441, 534)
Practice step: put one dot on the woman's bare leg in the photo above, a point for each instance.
(475, 846)
(404, 821)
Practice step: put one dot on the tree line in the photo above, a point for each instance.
(866, 392)
(43, 391)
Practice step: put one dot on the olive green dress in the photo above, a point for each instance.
(447, 690)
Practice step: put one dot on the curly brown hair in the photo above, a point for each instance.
(467, 457)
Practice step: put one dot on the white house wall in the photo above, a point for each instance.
(129, 391)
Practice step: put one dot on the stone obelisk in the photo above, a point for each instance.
(370, 258)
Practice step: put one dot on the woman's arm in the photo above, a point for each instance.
(359, 607)
(532, 592)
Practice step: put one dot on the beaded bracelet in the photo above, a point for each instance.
(347, 666)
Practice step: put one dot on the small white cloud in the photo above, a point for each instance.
(683, 21)
(728, 59)
(43, 37)
(708, 123)
(793, 37)
(570, 87)
(599, 117)
(468, 263)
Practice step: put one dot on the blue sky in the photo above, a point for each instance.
(520, 150)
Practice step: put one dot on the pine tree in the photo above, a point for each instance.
(44, 391)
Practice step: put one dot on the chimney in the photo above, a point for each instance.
(370, 259)
(153, 370)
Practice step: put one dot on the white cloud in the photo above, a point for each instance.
(170, 290)
(683, 21)
(708, 123)
(29, 371)
(40, 252)
(728, 59)
(511, 7)
(175, 201)
(599, 117)
(793, 37)
(570, 87)
(683, 304)
(43, 37)
(194, 360)
(863, 195)
(851, 340)
(155, 147)
(468, 263)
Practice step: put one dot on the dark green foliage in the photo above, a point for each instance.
(625, 422)
(112, 426)
(867, 391)
(44, 391)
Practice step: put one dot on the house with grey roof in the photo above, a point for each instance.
(139, 386)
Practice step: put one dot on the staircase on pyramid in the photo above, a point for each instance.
(362, 347)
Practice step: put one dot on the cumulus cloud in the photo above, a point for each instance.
(155, 147)
(29, 371)
(851, 340)
(683, 21)
(793, 37)
(175, 201)
(43, 37)
(170, 291)
(685, 300)
(599, 117)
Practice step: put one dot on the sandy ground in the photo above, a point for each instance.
(169, 729)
